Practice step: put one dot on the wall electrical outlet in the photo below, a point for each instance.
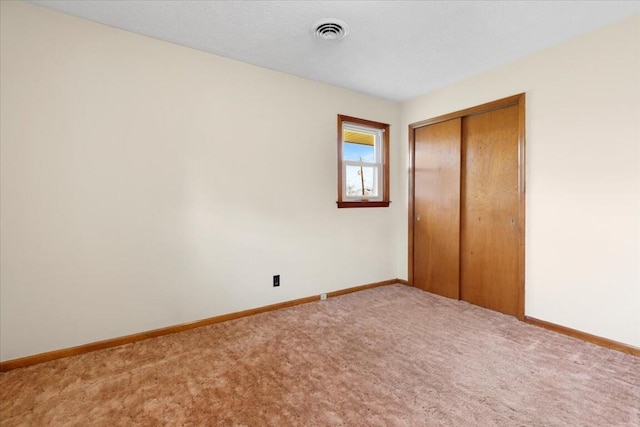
(323, 297)
(276, 280)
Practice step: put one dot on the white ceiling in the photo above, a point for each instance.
(396, 49)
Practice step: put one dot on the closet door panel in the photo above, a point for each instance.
(489, 239)
(437, 208)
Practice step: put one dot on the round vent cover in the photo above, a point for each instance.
(331, 29)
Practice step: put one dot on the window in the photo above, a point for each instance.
(363, 163)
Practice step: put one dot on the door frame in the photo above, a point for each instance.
(518, 100)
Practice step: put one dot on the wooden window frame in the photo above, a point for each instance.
(384, 150)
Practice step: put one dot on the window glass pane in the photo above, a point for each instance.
(358, 152)
(361, 181)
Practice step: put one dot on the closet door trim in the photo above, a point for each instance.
(518, 100)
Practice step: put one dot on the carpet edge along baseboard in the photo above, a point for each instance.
(127, 339)
(593, 339)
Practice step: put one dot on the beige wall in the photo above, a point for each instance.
(582, 176)
(145, 184)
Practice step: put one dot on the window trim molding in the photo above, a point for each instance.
(384, 150)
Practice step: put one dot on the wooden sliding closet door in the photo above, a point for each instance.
(489, 236)
(437, 208)
(466, 205)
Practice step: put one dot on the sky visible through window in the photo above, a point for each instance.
(358, 152)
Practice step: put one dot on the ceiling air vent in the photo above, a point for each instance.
(331, 29)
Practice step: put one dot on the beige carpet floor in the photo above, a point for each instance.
(390, 356)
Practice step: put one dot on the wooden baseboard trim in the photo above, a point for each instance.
(594, 339)
(128, 339)
(363, 287)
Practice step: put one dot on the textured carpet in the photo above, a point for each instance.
(390, 356)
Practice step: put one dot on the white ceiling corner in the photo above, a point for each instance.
(395, 50)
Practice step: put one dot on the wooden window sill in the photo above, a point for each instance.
(363, 204)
